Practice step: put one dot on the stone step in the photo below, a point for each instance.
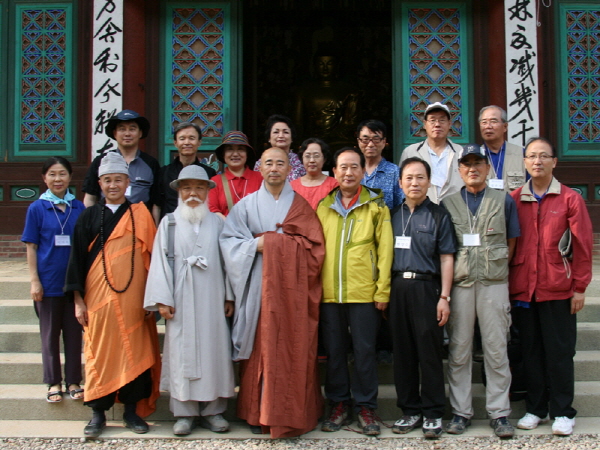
(27, 402)
(239, 431)
(26, 368)
(21, 312)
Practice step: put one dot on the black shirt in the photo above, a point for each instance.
(168, 197)
(432, 233)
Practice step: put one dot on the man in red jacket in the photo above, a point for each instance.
(548, 290)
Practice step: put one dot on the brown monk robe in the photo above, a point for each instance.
(120, 340)
(280, 382)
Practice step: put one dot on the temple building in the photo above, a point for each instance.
(69, 65)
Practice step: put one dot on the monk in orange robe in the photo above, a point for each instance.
(107, 271)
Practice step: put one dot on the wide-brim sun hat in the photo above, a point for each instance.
(192, 172)
(127, 115)
(234, 138)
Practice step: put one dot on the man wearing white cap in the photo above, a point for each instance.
(439, 152)
(187, 285)
(107, 273)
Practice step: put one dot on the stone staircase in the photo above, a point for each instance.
(22, 395)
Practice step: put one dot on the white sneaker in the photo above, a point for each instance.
(563, 426)
(531, 421)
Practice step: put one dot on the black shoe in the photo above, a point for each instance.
(95, 426)
(457, 425)
(135, 423)
(256, 429)
(502, 428)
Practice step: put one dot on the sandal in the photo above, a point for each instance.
(52, 393)
(73, 392)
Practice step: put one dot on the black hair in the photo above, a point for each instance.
(375, 126)
(416, 159)
(56, 160)
(543, 139)
(183, 125)
(324, 147)
(349, 149)
(273, 119)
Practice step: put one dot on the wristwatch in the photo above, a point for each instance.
(443, 297)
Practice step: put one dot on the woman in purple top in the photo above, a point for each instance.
(48, 229)
(280, 134)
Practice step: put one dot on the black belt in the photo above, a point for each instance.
(415, 275)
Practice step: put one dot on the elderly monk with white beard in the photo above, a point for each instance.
(191, 292)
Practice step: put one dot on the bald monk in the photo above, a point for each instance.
(272, 245)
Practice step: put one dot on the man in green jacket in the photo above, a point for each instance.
(356, 279)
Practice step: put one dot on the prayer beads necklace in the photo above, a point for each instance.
(132, 251)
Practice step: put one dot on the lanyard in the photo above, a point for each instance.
(473, 224)
(407, 222)
(496, 167)
(62, 225)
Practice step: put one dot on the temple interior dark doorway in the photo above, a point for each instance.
(282, 41)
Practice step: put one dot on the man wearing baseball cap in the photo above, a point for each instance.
(486, 226)
(127, 128)
(439, 152)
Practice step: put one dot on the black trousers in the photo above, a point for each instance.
(342, 323)
(131, 393)
(57, 315)
(418, 351)
(548, 334)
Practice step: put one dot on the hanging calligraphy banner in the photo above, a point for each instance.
(521, 70)
(107, 69)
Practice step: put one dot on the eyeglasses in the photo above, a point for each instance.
(309, 156)
(492, 122)
(374, 139)
(439, 121)
(541, 156)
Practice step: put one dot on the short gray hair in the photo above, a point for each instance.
(503, 114)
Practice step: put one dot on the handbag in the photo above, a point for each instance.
(565, 249)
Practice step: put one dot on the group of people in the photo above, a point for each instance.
(260, 267)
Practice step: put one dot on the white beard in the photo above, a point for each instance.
(194, 215)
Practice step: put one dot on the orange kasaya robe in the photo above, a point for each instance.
(279, 383)
(121, 341)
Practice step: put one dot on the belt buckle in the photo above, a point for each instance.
(408, 275)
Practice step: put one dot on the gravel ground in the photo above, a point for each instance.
(575, 442)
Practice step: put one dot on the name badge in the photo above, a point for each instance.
(62, 240)
(403, 242)
(128, 191)
(471, 240)
(496, 183)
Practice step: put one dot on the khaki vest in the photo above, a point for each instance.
(513, 172)
(487, 263)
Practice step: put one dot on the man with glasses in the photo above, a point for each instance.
(379, 174)
(439, 152)
(486, 226)
(547, 290)
(507, 168)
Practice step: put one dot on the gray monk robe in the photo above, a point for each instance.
(197, 350)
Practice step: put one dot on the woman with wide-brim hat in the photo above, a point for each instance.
(237, 179)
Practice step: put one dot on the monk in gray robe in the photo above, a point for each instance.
(273, 248)
(190, 291)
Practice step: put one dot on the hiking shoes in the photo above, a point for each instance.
(432, 428)
(457, 425)
(340, 415)
(406, 424)
(502, 428)
(368, 422)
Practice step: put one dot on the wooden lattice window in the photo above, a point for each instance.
(199, 69)
(580, 78)
(43, 64)
(434, 66)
